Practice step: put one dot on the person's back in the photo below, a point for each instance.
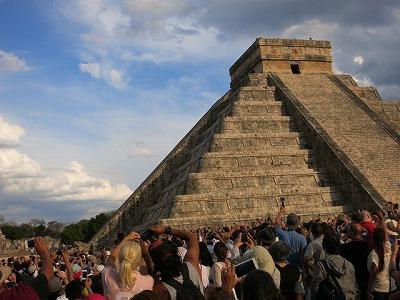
(356, 251)
(336, 266)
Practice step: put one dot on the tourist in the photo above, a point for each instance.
(126, 281)
(291, 285)
(296, 241)
(379, 262)
(222, 263)
(368, 224)
(259, 285)
(335, 268)
(169, 266)
(356, 251)
(313, 253)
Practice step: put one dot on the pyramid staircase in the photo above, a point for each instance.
(256, 158)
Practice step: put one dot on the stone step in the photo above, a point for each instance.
(257, 200)
(252, 108)
(231, 206)
(214, 221)
(257, 124)
(241, 141)
(273, 179)
(256, 93)
(275, 157)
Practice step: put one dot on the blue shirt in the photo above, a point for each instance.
(295, 241)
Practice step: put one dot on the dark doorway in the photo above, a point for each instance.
(295, 68)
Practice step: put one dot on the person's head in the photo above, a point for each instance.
(73, 290)
(97, 285)
(366, 216)
(317, 230)
(279, 251)
(357, 217)
(166, 259)
(265, 237)
(355, 231)
(220, 251)
(145, 295)
(259, 285)
(130, 257)
(205, 256)
(292, 221)
(331, 244)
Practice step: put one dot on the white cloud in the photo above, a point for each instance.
(314, 29)
(92, 68)
(359, 60)
(362, 80)
(9, 62)
(142, 152)
(112, 76)
(19, 174)
(10, 134)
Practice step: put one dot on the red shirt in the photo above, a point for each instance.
(370, 227)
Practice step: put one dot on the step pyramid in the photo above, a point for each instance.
(256, 144)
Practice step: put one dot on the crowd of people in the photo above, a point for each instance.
(349, 257)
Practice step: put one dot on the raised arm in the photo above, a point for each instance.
(278, 219)
(47, 263)
(133, 236)
(193, 250)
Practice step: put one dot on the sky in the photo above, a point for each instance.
(95, 93)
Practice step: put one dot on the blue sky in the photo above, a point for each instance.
(94, 93)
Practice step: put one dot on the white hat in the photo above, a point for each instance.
(99, 268)
(391, 227)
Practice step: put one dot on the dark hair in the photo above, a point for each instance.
(265, 237)
(178, 241)
(73, 290)
(166, 259)
(331, 243)
(220, 251)
(145, 295)
(259, 285)
(317, 229)
(97, 284)
(279, 251)
(205, 256)
(357, 217)
(379, 240)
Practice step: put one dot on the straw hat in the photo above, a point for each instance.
(391, 227)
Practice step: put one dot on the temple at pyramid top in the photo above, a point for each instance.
(283, 56)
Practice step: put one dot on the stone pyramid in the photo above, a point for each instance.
(288, 127)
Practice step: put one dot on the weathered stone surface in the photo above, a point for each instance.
(321, 141)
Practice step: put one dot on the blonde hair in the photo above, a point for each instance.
(130, 257)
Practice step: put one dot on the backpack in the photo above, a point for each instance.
(329, 290)
(188, 290)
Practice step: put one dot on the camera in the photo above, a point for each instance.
(283, 201)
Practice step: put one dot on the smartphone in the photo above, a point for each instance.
(283, 201)
(246, 267)
(84, 274)
(59, 252)
(31, 244)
